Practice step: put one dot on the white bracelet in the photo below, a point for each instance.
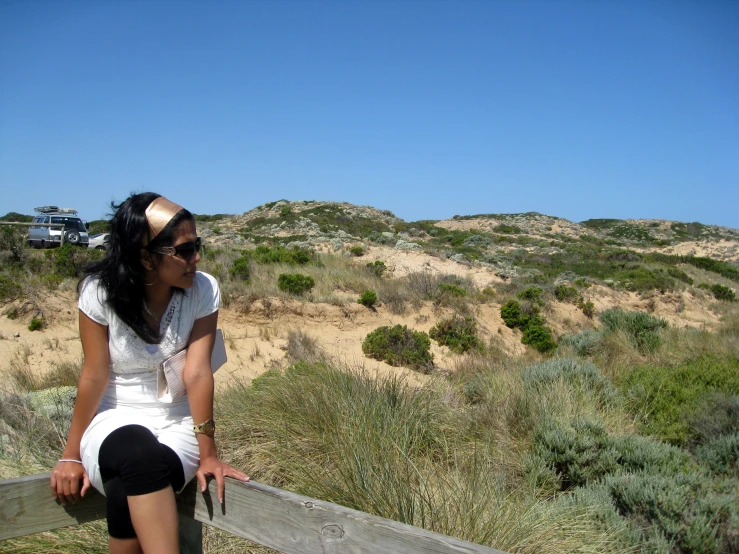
(70, 460)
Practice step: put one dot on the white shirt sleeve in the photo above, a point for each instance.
(92, 301)
(208, 295)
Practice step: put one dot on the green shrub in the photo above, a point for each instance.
(280, 255)
(539, 337)
(205, 218)
(368, 298)
(668, 399)
(507, 229)
(588, 308)
(17, 217)
(295, 283)
(452, 290)
(357, 251)
(566, 293)
(458, 333)
(399, 346)
(377, 267)
(716, 266)
(511, 314)
(641, 327)
(13, 244)
(69, 260)
(36, 324)
(210, 253)
(240, 268)
(532, 324)
(681, 275)
(721, 292)
(9, 288)
(285, 211)
(535, 295)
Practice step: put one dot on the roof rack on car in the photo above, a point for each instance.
(55, 210)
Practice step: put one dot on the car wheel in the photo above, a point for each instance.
(43, 244)
(101, 247)
(72, 237)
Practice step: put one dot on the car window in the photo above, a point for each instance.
(69, 222)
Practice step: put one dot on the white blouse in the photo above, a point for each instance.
(129, 354)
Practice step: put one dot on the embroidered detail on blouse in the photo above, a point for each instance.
(131, 354)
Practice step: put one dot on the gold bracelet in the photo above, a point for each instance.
(207, 428)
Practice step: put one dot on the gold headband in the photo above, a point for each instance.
(158, 214)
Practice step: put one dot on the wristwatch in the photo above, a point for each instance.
(207, 428)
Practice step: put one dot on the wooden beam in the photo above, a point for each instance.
(296, 524)
(26, 507)
(269, 516)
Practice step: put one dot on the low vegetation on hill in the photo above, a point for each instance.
(620, 435)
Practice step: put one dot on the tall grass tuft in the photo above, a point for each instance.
(380, 445)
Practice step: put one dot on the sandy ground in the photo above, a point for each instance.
(401, 263)
(256, 338)
(727, 250)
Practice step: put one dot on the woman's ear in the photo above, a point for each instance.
(146, 260)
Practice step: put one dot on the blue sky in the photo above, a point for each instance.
(579, 109)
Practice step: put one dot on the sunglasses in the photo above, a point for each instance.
(186, 251)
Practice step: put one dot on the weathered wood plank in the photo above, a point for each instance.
(26, 507)
(279, 519)
(296, 524)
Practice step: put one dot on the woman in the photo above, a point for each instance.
(140, 305)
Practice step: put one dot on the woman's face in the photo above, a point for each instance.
(173, 269)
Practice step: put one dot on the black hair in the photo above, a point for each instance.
(121, 273)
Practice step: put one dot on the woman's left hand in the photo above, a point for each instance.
(218, 469)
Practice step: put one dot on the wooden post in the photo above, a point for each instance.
(191, 536)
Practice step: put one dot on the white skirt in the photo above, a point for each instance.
(131, 400)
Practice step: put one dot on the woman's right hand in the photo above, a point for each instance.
(65, 482)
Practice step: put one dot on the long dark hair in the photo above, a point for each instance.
(121, 273)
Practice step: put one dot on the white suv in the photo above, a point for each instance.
(74, 229)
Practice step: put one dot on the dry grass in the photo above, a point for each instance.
(417, 455)
(21, 378)
(616, 354)
(338, 282)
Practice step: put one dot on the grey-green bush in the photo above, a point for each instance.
(721, 455)
(642, 328)
(578, 373)
(583, 343)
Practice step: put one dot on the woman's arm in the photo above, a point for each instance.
(65, 478)
(198, 379)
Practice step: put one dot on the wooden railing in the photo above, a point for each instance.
(271, 517)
